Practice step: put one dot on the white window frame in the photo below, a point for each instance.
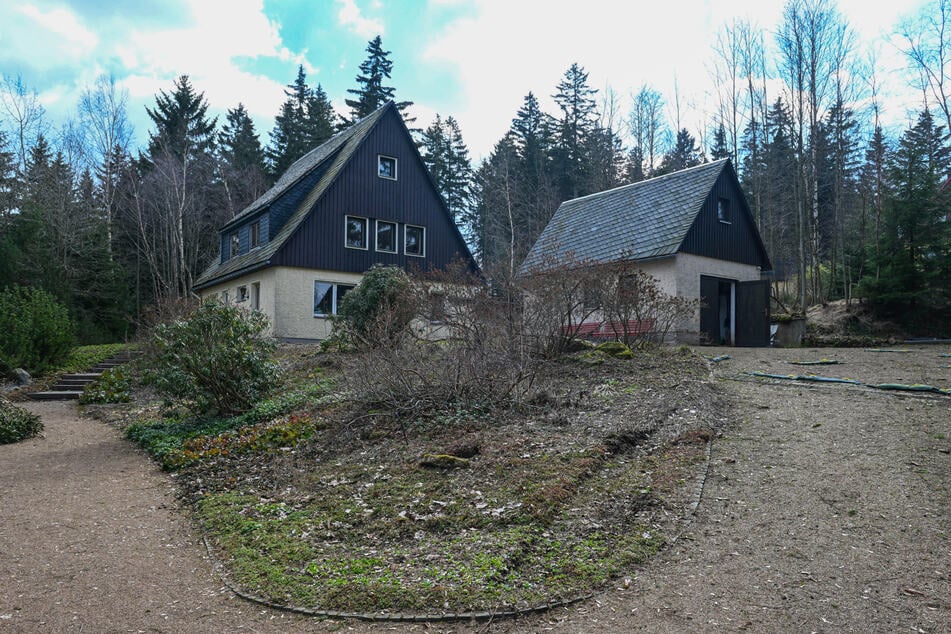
(366, 232)
(334, 297)
(422, 241)
(242, 295)
(380, 158)
(396, 236)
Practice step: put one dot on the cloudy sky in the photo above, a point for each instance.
(474, 59)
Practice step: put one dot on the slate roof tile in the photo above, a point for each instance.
(648, 219)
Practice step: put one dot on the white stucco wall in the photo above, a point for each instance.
(266, 302)
(294, 315)
(287, 298)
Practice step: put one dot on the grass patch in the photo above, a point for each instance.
(302, 555)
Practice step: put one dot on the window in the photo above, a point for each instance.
(255, 234)
(242, 293)
(386, 236)
(256, 296)
(327, 297)
(386, 167)
(356, 236)
(235, 243)
(415, 240)
(224, 297)
(723, 210)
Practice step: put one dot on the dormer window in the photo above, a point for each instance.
(255, 234)
(723, 210)
(386, 167)
(235, 243)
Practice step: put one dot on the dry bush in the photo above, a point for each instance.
(634, 297)
(558, 297)
(464, 349)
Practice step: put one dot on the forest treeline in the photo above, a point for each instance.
(846, 209)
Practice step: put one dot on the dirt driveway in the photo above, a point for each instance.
(827, 508)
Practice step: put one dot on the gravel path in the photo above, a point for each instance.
(827, 508)
(91, 540)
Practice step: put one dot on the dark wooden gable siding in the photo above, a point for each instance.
(736, 241)
(358, 191)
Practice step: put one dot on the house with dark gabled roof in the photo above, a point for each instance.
(362, 198)
(692, 230)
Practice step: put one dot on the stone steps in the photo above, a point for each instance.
(70, 386)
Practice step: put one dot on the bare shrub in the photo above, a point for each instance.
(464, 349)
(559, 296)
(636, 309)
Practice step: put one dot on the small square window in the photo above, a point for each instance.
(723, 210)
(356, 233)
(255, 237)
(386, 167)
(235, 243)
(415, 241)
(242, 293)
(386, 236)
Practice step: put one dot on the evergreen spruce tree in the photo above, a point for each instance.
(915, 251)
(242, 160)
(289, 138)
(239, 144)
(447, 158)
(684, 154)
(372, 92)
(9, 252)
(182, 126)
(319, 118)
(532, 132)
(576, 100)
(720, 150)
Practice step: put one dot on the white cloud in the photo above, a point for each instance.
(350, 16)
(70, 36)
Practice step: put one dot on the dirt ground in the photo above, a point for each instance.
(826, 508)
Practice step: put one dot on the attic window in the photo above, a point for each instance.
(235, 243)
(356, 233)
(386, 167)
(723, 210)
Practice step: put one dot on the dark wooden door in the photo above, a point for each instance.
(752, 313)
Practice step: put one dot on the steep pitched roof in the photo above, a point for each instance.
(337, 151)
(643, 220)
